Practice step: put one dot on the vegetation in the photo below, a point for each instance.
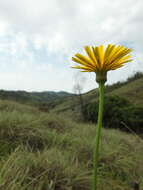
(44, 151)
(131, 90)
(136, 76)
(33, 98)
(118, 113)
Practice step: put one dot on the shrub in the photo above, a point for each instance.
(118, 113)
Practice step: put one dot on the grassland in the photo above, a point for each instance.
(44, 151)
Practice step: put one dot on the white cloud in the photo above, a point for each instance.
(35, 34)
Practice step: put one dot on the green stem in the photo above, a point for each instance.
(98, 134)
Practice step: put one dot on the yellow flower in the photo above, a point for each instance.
(101, 60)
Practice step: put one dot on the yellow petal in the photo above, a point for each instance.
(102, 60)
(84, 59)
(84, 68)
(100, 50)
(116, 67)
(81, 62)
(121, 53)
(121, 59)
(95, 50)
(108, 51)
(91, 55)
(112, 51)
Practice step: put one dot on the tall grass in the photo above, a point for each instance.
(48, 152)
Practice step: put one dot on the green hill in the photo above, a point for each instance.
(33, 98)
(132, 90)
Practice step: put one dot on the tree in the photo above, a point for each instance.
(79, 82)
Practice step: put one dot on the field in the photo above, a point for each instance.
(46, 151)
(48, 146)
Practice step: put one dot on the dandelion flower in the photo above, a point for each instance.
(100, 61)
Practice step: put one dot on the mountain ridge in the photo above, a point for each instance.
(33, 97)
(131, 89)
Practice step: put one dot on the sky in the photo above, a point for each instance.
(39, 37)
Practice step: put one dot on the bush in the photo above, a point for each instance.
(118, 113)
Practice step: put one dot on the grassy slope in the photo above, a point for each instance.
(48, 152)
(133, 91)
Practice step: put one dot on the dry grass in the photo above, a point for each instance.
(48, 152)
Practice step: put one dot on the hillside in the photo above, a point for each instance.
(44, 151)
(132, 90)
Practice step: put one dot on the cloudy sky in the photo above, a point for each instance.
(39, 37)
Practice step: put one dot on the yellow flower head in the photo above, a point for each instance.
(99, 59)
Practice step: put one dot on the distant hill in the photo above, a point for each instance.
(131, 89)
(33, 97)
